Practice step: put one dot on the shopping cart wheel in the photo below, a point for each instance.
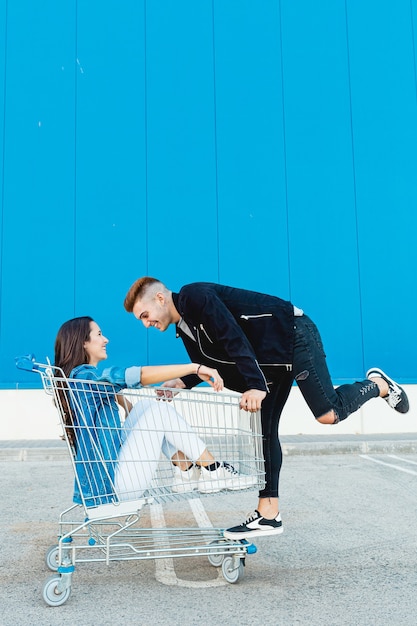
(50, 593)
(214, 557)
(52, 557)
(230, 571)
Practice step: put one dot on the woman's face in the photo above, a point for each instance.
(96, 345)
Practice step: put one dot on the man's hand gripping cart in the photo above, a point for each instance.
(114, 485)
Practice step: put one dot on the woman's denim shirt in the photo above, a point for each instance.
(97, 429)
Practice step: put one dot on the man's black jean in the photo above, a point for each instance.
(312, 376)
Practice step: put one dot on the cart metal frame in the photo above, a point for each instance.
(112, 531)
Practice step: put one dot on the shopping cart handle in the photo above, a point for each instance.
(26, 362)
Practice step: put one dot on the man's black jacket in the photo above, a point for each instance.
(243, 334)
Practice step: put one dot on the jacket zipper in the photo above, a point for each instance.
(206, 355)
(288, 366)
(250, 317)
(204, 331)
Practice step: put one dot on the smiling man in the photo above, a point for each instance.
(259, 344)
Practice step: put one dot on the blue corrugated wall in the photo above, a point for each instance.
(270, 145)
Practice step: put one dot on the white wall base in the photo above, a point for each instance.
(374, 417)
(30, 414)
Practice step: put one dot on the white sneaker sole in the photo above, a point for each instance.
(248, 534)
(216, 486)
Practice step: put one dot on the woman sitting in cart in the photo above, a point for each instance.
(118, 462)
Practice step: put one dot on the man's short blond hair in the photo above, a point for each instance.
(140, 288)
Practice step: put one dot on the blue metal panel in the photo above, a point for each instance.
(3, 38)
(182, 212)
(111, 215)
(270, 146)
(384, 113)
(321, 199)
(37, 269)
(253, 229)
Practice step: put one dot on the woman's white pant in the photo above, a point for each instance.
(151, 427)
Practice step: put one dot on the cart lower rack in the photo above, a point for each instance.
(129, 452)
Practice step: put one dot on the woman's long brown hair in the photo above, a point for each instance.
(69, 353)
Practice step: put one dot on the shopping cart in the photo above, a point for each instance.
(105, 525)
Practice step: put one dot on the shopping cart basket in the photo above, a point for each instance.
(105, 524)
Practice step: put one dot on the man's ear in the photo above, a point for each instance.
(160, 298)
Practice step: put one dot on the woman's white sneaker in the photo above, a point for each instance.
(185, 481)
(224, 477)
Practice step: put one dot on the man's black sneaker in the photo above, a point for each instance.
(396, 398)
(255, 526)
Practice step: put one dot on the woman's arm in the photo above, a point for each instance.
(153, 374)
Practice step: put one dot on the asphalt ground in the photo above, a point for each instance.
(348, 554)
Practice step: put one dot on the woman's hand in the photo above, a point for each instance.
(175, 383)
(210, 376)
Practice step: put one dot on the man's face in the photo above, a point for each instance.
(153, 312)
